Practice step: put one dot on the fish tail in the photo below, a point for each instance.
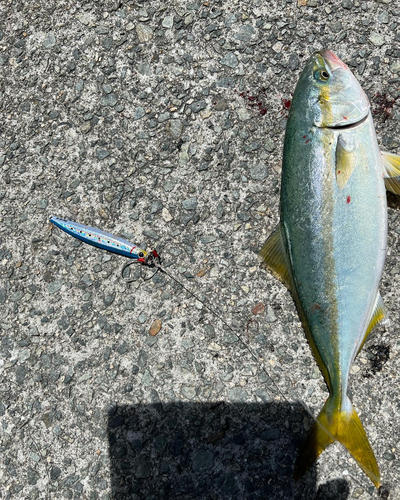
(336, 424)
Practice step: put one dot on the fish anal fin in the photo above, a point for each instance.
(391, 167)
(275, 256)
(334, 424)
(378, 314)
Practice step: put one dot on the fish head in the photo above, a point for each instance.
(328, 93)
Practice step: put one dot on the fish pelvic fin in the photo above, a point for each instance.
(335, 424)
(391, 167)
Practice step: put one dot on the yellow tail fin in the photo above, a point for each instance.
(334, 424)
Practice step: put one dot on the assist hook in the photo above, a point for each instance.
(151, 260)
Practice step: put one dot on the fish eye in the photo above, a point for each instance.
(141, 254)
(322, 75)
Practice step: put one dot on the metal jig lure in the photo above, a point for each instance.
(111, 243)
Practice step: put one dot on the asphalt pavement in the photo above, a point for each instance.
(163, 122)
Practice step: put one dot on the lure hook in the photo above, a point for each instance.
(151, 260)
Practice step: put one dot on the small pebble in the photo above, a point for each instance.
(144, 32)
(155, 327)
(258, 309)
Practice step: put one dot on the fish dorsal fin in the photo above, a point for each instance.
(275, 254)
(345, 159)
(378, 314)
(276, 257)
(391, 166)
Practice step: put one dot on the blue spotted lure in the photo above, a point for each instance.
(109, 242)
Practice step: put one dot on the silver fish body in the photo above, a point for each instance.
(337, 237)
(330, 245)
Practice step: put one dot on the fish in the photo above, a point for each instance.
(329, 247)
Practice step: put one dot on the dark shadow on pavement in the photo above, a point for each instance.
(211, 451)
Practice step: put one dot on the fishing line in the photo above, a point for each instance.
(156, 263)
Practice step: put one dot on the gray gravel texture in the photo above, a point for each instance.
(139, 118)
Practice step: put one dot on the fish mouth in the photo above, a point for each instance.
(348, 125)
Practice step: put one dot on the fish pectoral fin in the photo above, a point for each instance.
(378, 315)
(345, 159)
(276, 257)
(334, 424)
(391, 166)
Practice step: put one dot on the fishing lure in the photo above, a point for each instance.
(109, 242)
